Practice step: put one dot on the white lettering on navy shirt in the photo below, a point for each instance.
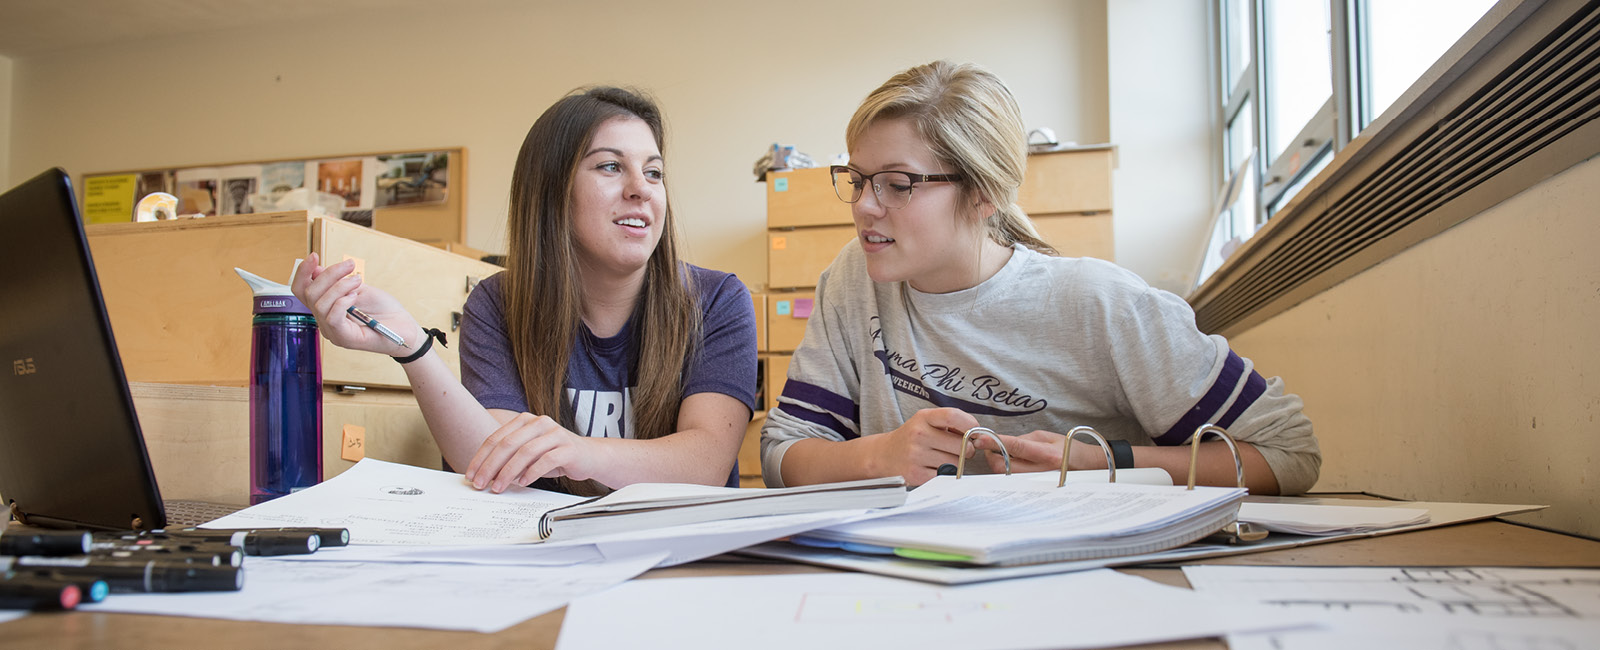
(602, 413)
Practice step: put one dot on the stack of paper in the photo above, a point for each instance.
(1004, 520)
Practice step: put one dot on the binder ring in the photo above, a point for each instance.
(1066, 452)
(1194, 452)
(961, 461)
(1237, 531)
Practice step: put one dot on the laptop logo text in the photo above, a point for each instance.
(23, 367)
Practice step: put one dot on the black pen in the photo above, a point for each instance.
(175, 550)
(376, 326)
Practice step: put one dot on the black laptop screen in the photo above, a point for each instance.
(71, 453)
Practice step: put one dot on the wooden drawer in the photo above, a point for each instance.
(198, 437)
(787, 315)
(759, 301)
(181, 315)
(796, 258)
(804, 197)
(1068, 181)
(777, 374)
(750, 450)
(1078, 235)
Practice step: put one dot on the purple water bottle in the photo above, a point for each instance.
(285, 393)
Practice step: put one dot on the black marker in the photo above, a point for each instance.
(330, 537)
(34, 595)
(207, 554)
(123, 575)
(947, 469)
(93, 590)
(44, 542)
(287, 541)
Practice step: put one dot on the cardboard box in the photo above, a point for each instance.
(787, 315)
(804, 197)
(1079, 235)
(796, 258)
(1068, 181)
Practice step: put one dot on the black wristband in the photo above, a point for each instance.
(1121, 453)
(427, 344)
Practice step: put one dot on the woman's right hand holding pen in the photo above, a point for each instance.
(915, 450)
(331, 290)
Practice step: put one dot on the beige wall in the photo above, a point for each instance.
(1161, 121)
(733, 77)
(1466, 368)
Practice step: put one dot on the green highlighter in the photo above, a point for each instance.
(932, 556)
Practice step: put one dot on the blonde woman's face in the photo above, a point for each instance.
(619, 198)
(932, 242)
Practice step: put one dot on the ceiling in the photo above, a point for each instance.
(35, 27)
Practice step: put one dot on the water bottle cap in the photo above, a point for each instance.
(272, 297)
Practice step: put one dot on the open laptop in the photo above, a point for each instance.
(71, 452)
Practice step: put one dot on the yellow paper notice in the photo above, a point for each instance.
(108, 199)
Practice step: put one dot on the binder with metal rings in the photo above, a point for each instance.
(961, 461)
(1066, 452)
(1237, 531)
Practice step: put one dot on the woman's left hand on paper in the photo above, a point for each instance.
(529, 447)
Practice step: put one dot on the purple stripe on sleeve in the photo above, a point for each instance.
(1209, 405)
(1253, 388)
(829, 400)
(820, 419)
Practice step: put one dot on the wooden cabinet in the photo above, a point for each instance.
(181, 315)
(198, 437)
(787, 315)
(1068, 195)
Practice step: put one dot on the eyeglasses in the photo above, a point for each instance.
(893, 188)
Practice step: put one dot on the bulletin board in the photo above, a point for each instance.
(417, 194)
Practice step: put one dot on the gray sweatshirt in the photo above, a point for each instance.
(1048, 343)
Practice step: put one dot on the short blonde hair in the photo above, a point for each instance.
(973, 125)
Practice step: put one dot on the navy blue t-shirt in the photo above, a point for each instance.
(600, 371)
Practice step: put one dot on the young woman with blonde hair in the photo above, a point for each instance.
(598, 358)
(949, 312)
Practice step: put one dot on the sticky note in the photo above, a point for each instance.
(361, 266)
(780, 185)
(780, 243)
(783, 308)
(354, 446)
(802, 307)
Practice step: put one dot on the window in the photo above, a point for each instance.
(1295, 73)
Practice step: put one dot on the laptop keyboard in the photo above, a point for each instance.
(194, 513)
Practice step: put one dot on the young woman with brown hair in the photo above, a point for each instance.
(598, 358)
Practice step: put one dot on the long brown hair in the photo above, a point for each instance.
(542, 292)
(973, 124)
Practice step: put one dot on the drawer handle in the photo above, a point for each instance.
(472, 282)
(455, 321)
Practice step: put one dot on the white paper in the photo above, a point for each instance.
(1305, 519)
(390, 503)
(1417, 607)
(434, 596)
(846, 610)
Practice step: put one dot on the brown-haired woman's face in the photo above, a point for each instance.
(619, 199)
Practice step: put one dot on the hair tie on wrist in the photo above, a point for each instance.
(427, 344)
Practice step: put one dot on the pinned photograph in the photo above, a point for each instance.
(413, 178)
(341, 177)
